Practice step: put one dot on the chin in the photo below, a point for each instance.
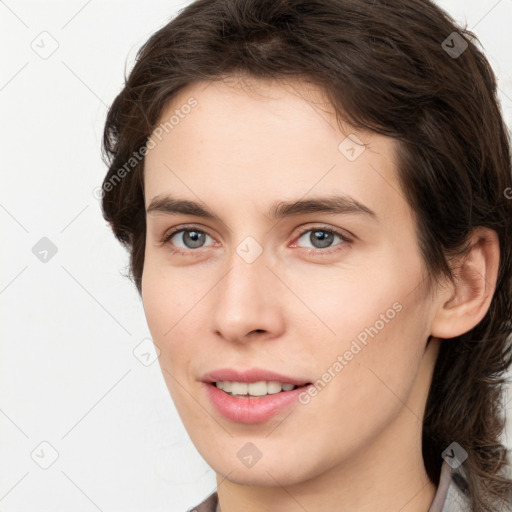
(264, 474)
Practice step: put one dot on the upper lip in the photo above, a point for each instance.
(250, 375)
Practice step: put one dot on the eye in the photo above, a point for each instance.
(321, 238)
(324, 240)
(186, 238)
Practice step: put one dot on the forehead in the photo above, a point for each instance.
(266, 140)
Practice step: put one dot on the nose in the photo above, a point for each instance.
(247, 304)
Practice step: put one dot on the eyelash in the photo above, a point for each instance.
(344, 240)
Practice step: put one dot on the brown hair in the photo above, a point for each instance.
(390, 66)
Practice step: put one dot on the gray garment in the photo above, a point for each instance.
(449, 497)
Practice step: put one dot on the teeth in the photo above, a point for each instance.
(260, 388)
(239, 388)
(273, 387)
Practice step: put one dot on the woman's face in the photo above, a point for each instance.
(271, 272)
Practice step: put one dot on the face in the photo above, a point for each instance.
(300, 257)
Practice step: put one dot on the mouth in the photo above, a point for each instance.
(259, 389)
(252, 382)
(252, 396)
(249, 408)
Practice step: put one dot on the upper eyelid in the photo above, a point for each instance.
(178, 229)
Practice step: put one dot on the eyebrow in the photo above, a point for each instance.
(334, 204)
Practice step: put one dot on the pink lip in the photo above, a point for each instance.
(252, 375)
(251, 410)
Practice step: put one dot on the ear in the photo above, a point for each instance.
(464, 303)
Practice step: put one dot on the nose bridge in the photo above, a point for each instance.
(244, 301)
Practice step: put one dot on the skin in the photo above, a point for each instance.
(356, 446)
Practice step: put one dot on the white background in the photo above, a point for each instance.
(68, 373)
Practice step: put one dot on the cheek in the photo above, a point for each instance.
(162, 308)
(165, 312)
(370, 337)
(344, 308)
(156, 301)
(367, 384)
(172, 306)
(379, 363)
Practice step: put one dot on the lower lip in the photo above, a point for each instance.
(251, 410)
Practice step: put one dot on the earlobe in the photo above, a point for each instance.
(463, 304)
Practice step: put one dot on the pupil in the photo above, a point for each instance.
(193, 239)
(322, 238)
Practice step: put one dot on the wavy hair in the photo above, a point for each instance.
(401, 68)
